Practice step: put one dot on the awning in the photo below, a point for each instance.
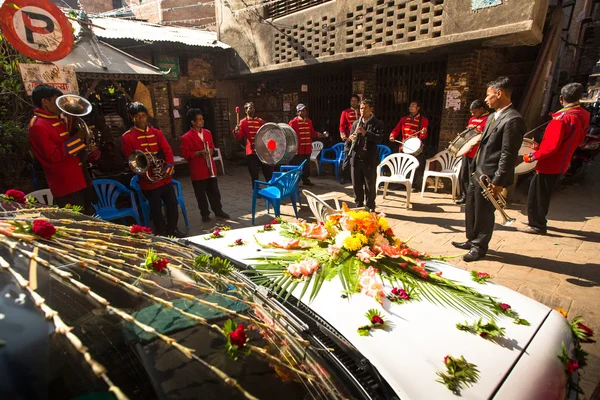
(98, 60)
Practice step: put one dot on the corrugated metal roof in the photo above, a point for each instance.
(118, 28)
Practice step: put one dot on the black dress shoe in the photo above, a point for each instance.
(360, 205)
(462, 245)
(205, 218)
(460, 201)
(222, 214)
(473, 255)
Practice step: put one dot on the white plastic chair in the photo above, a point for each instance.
(220, 159)
(450, 169)
(402, 167)
(316, 149)
(43, 196)
(320, 209)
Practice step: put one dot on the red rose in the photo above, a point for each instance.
(446, 360)
(16, 195)
(268, 227)
(43, 228)
(483, 275)
(400, 293)
(504, 306)
(238, 337)
(239, 242)
(376, 319)
(571, 366)
(276, 221)
(159, 265)
(139, 229)
(483, 334)
(589, 333)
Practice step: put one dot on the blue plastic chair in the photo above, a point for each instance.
(108, 192)
(145, 206)
(286, 168)
(332, 155)
(281, 188)
(383, 151)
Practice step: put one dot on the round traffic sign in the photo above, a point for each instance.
(37, 29)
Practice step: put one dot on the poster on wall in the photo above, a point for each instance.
(169, 64)
(62, 78)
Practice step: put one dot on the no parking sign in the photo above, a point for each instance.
(37, 29)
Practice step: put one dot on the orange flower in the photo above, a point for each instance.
(562, 311)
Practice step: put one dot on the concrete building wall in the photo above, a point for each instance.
(338, 30)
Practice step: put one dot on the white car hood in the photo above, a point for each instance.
(410, 353)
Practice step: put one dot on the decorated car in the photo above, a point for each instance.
(91, 309)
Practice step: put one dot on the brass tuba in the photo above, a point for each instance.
(142, 162)
(498, 202)
(75, 107)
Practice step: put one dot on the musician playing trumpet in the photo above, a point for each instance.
(197, 147)
(151, 140)
(495, 159)
(59, 150)
(412, 125)
(479, 116)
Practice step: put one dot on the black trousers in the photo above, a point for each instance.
(364, 176)
(479, 217)
(418, 180)
(464, 175)
(297, 160)
(167, 195)
(538, 199)
(81, 198)
(254, 165)
(208, 188)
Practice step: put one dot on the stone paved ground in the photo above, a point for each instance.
(560, 269)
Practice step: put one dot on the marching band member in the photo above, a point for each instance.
(478, 120)
(247, 129)
(305, 132)
(58, 151)
(413, 125)
(348, 117)
(361, 147)
(148, 139)
(197, 147)
(563, 135)
(496, 156)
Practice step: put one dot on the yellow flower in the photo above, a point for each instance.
(352, 243)
(363, 239)
(383, 224)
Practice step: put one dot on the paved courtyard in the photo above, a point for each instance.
(560, 269)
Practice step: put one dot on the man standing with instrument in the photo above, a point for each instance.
(413, 125)
(59, 150)
(158, 188)
(305, 133)
(477, 122)
(563, 135)
(348, 117)
(361, 148)
(197, 147)
(247, 129)
(495, 159)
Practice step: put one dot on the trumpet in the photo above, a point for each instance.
(499, 202)
(208, 159)
(143, 162)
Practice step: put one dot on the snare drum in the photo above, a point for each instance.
(464, 142)
(275, 143)
(412, 146)
(528, 146)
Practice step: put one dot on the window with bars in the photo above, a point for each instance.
(280, 8)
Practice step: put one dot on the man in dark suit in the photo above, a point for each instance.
(361, 148)
(495, 158)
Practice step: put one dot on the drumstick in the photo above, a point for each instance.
(237, 112)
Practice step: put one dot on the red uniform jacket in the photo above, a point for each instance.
(57, 152)
(152, 140)
(305, 132)
(347, 118)
(248, 129)
(409, 127)
(563, 135)
(190, 144)
(479, 124)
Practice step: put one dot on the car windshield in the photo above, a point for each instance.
(91, 309)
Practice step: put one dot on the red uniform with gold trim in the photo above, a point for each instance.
(248, 129)
(58, 153)
(479, 124)
(151, 140)
(563, 135)
(305, 133)
(348, 118)
(190, 144)
(410, 126)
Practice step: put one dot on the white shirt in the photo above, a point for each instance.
(498, 112)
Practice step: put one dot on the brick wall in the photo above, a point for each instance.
(467, 76)
(160, 100)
